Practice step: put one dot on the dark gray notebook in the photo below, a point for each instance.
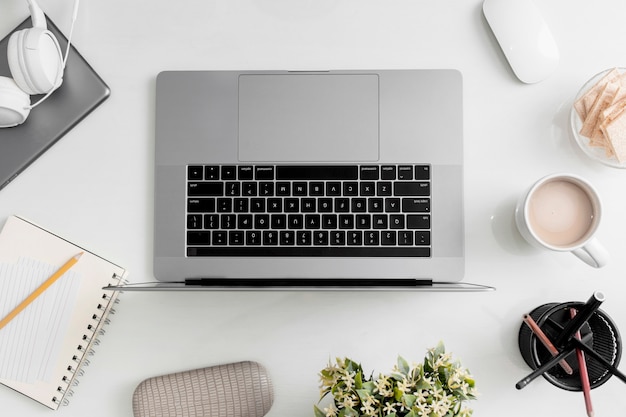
(82, 91)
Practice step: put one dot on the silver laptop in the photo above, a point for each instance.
(334, 179)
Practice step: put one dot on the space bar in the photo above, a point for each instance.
(317, 172)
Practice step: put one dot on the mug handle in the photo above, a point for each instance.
(593, 253)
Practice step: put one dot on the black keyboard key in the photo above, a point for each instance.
(405, 172)
(295, 221)
(325, 205)
(249, 189)
(329, 221)
(236, 238)
(233, 189)
(303, 248)
(283, 189)
(371, 238)
(342, 205)
(224, 205)
(253, 238)
(270, 238)
(205, 189)
(363, 221)
(244, 221)
(418, 189)
(241, 205)
(346, 221)
(211, 221)
(198, 238)
(274, 205)
(246, 173)
(350, 189)
(422, 172)
(307, 205)
(338, 238)
(201, 205)
(292, 205)
(375, 205)
(354, 238)
(266, 189)
(212, 172)
(333, 188)
(195, 172)
(317, 172)
(370, 172)
(312, 221)
(416, 205)
(383, 188)
(380, 221)
(194, 221)
(368, 189)
(220, 238)
(300, 189)
(388, 238)
(388, 172)
(261, 221)
(405, 238)
(304, 238)
(396, 221)
(229, 172)
(228, 221)
(316, 189)
(257, 205)
(278, 221)
(287, 238)
(422, 238)
(264, 173)
(320, 238)
(359, 205)
(392, 205)
(415, 221)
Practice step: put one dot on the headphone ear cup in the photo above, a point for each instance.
(35, 60)
(14, 103)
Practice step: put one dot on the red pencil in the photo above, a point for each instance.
(543, 338)
(584, 375)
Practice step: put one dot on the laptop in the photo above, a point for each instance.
(314, 180)
(82, 91)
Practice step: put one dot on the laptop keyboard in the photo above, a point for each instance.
(308, 210)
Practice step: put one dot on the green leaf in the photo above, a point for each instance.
(358, 380)
(318, 412)
(403, 365)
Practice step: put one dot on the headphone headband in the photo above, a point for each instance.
(37, 15)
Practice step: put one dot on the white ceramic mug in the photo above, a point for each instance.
(561, 212)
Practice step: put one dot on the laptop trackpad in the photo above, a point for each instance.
(308, 117)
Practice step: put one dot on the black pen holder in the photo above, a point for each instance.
(599, 333)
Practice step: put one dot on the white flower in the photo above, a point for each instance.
(331, 410)
(389, 408)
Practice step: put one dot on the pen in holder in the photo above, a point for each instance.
(599, 339)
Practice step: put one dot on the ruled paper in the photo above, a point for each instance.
(30, 343)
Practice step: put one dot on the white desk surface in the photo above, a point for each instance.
(95, 187)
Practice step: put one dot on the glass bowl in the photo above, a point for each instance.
(594, 152)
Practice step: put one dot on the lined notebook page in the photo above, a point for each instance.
(30, 342)
(46, 349)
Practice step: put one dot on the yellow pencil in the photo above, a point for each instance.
(17, 310)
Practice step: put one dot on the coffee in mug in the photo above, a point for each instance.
(562, 212)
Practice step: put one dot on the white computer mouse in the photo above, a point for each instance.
(524, 37)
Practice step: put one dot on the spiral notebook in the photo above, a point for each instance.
(43, 349)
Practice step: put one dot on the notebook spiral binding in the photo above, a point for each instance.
(85, 348)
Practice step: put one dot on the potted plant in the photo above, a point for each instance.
(437, 387)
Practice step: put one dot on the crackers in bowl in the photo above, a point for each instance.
(599, 117)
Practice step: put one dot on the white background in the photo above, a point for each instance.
(95, 187)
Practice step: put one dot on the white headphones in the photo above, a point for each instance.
(36, 65)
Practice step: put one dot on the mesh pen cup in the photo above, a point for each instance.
(598, 333)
